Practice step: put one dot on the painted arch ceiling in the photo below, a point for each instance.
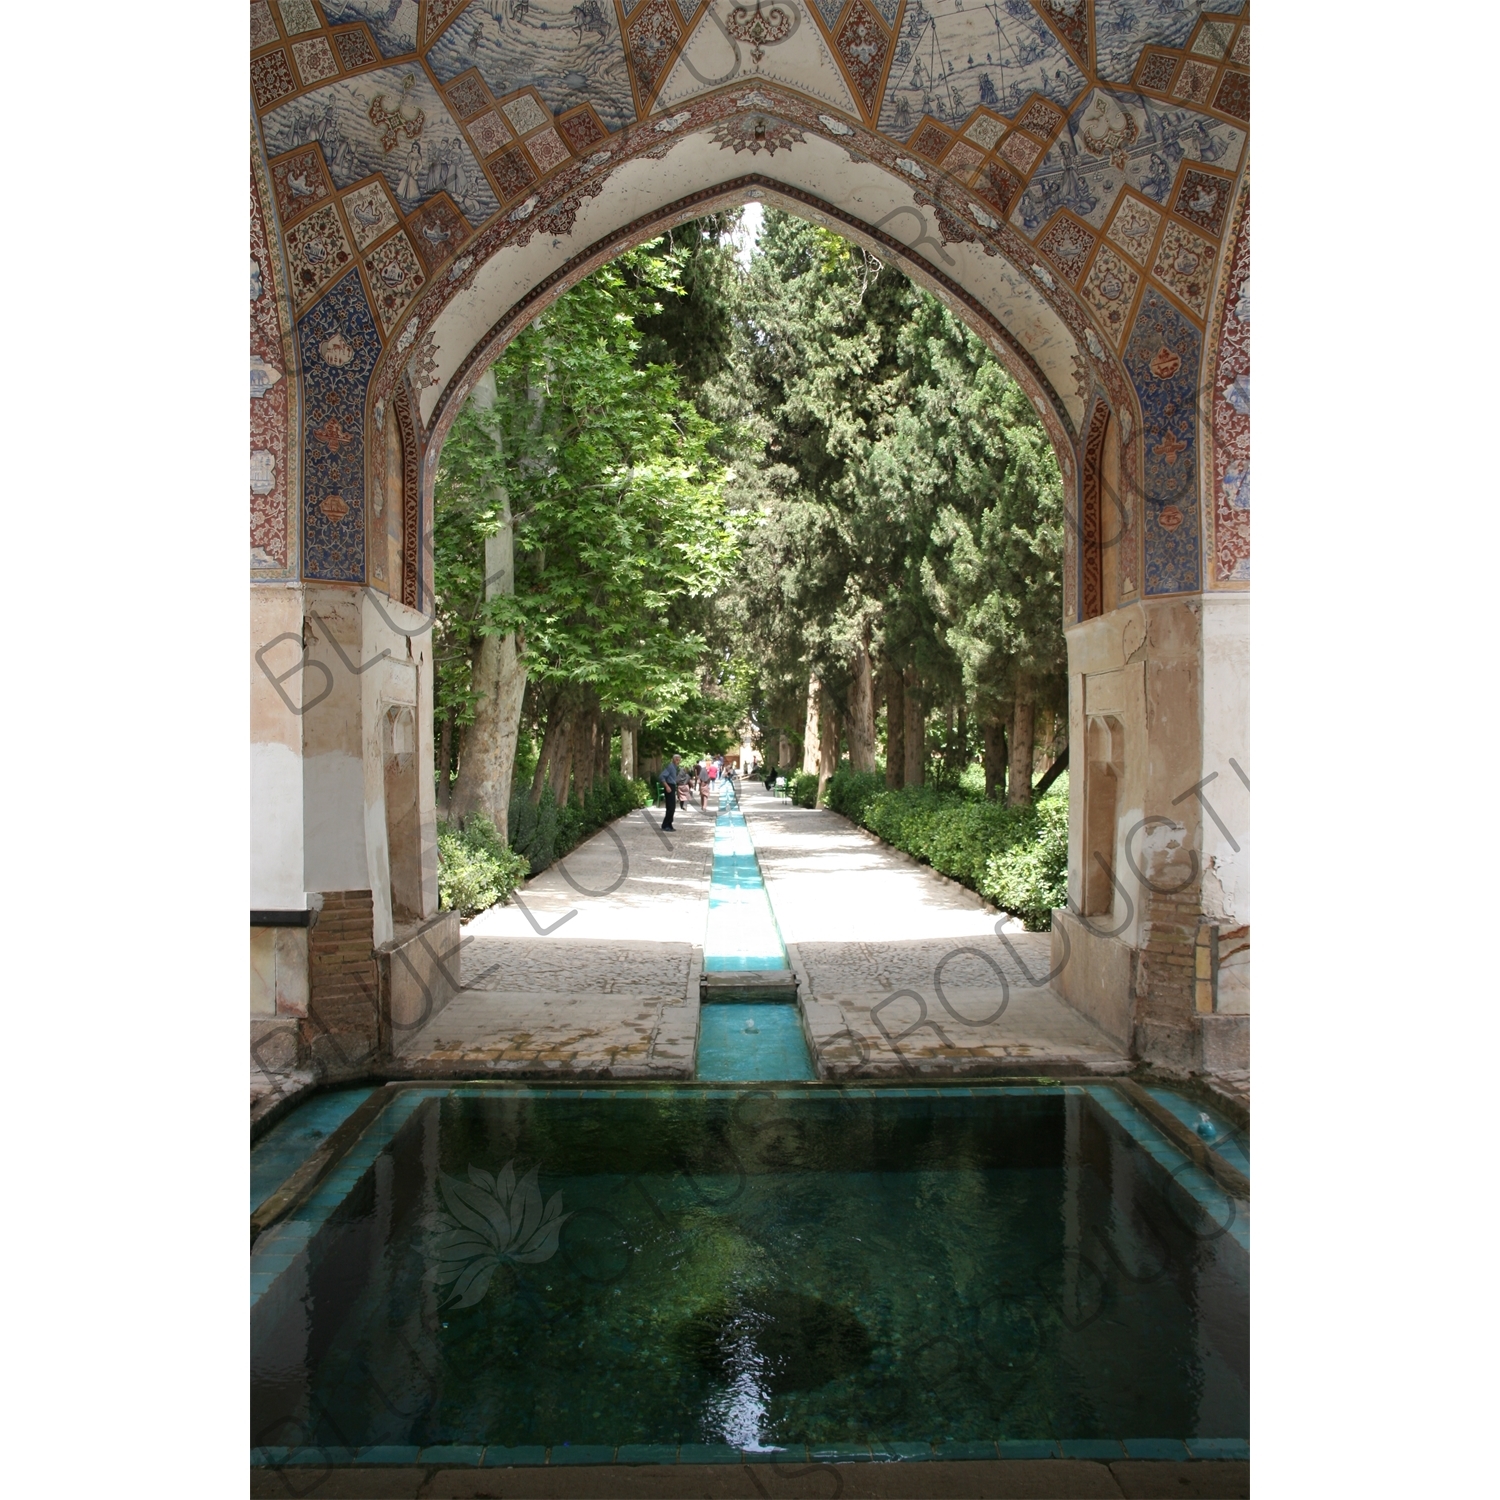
(1072, 173)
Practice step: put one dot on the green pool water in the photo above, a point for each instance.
(759, 1268)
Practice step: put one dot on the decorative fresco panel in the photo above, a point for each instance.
(569, 51)
(371, 212)
(392, 22)
(1184, 263)
(1163, 359)
(268, 408)
(1109, 290)
(1124, 28)
(393, 122)
(951, 57)
(1117, 140)
(300, 182)
(262, 28)
(339, 347)
(1231, 420)
(355, 49)
(1134, 227)
(316, 252)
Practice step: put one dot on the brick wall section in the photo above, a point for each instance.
(343, 1024)
(1166, 973)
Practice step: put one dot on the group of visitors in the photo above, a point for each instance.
(681, 782)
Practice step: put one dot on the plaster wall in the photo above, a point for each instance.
(277, 829)
(1226, 737)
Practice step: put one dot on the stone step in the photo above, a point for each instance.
(747, 984)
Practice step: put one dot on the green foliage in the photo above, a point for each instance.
(475, 870)
(614, 492)
(1031, 878)
(1016, 857)
(546, 832)
(803, 789)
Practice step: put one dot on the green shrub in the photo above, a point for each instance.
(1016, 857)
(475, 870)
(849, 792)
(546, 832)
(1031, 878)
(803, 789)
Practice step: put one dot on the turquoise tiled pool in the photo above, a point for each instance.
(742, 931)
(290, 1142)
(738, 1041)
(752, 1042)
(511, 1274)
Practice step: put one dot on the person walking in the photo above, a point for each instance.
(671, 777)
(705, 779)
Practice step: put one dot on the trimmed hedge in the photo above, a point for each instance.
(1016, 857)
(475, 870)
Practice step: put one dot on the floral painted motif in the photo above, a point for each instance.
(962, 159)
(370, 211)
(756, 133)
(262, 27)
(1067, 245)
(1163, 357)
(1184, 263)
(270, 78)
(314, 60)
(1233, 97)
(355, 49)
(489, 133)
(526, 114)
(468, 96)
(1156, 71)
(581, 130)
(1204, 199)
(1231, 421)
(985, 131)
(333, 496)
(300, 183)
(1020, 151)
(437, 231)
(1134, 227)
(1194, 83)
(395, 278)
(1109, 290)
(547, 150)
(863, 46)
(653, 37)
(513, 173)
(930, 141)
(317, 251)
(268, 408)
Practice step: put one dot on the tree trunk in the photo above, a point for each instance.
(1053, 771)
(445, 767)
(560, 772)
(585, 731)
(627, 751)
(810, 734)
(895, 728)
(554, 744)
(828, 745)
(1021, 727)
(862, 714)
(963, 735)
(994, 757)
(915, 737)
(499, 677)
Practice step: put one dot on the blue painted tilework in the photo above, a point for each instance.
(333, 427)
(1163, 357)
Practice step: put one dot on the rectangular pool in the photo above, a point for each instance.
(757, 1267)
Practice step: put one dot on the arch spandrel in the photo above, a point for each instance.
(1062, 203)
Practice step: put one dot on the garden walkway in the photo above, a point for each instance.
(903, 970)
(593, 970)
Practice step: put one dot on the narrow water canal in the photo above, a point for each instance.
(740, 1039)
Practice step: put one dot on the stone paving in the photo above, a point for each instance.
(593, 970)
(904, 971)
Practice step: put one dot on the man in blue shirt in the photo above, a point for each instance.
(670, 776)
